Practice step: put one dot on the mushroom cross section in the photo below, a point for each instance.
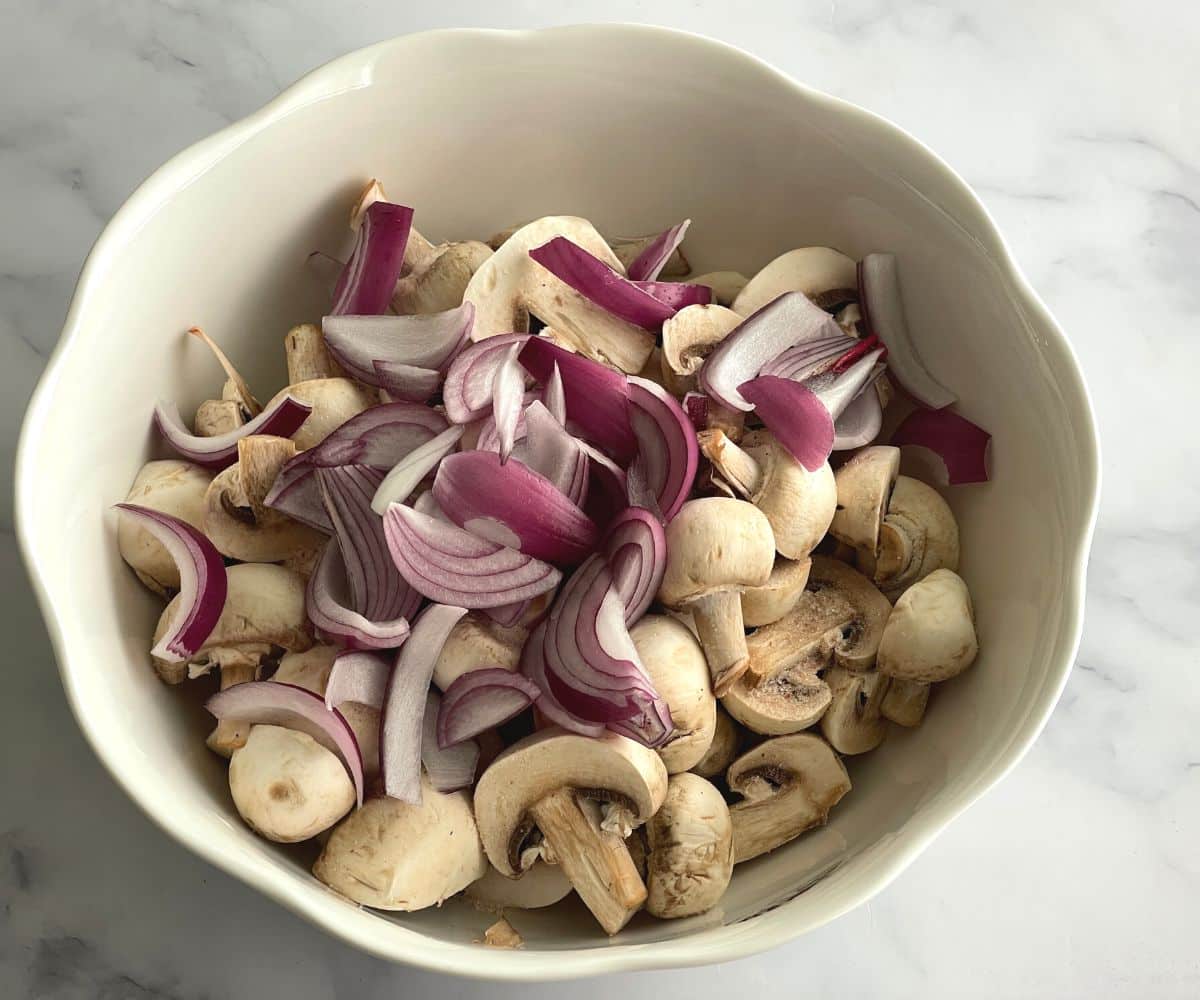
(827, 277)
(864, 487)
(918, 535)
(854, 723)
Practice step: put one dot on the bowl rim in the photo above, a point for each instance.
(705, 946)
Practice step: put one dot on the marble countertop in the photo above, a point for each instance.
(1075, 120)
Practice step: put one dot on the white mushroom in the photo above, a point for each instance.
(333, 402)
(864, 487)
(675, 662)
(690, 842)
(307, 356)
(853, 722)
(688, 338)
(918, 535)
(930, 635)
(905, 702)
(215, 417)
(175, 488)
(726, 741)
(539, 885)
(715, 549)
(393, 855)
(287, 786)
(827, 277)
(725, 285)
(476, 643)
(788, 785)
(438, 280)
(510, 286)
(537, 785)
(775, 598)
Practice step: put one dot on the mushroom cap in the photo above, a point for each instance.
(864, 486)
(824, 275)
(688, 338)
(859, 643)
(611, 768)
(333, 402)
(172, 487)
(475, 643)
(286, 786)
(727, 739)
(788, 784)
(437, 283)
(675, 662)
(930, 635)
(240, 533)
(393, 855)
(905, 702)
(716, 544)
(853, 723)
(690, 842)
(919, 534)
(798, 504)
(540, 885)
(775, 598)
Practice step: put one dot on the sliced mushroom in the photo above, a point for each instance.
(333, 402)
(918, 535)
(930, 635)
(396, 856)
(541, 884)
(510, 286)
(175, 488)
(725, 285)
(864, 486)
(215, 417)
(438, 280)
(778, 596)
(905, 702)
(853, 722)
(788, 785)
(534, 784)
(798, 504)
(827, 277)
(715, 549)
(688, 338)
(307, 356)
(475, 643)
(287, 786)
(792, 699)
(675, 662)
(691, 849)
(727, 740)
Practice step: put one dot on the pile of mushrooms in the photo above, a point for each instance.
(763, 613)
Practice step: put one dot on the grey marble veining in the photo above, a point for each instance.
(1076, 121)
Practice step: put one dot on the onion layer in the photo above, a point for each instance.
(281, 419)
(369, 277)
(451, 768)
(961, 445)
(636, 550)
(794, 414)
(533, 666)
(327, 609)
(467, 393)
(666, 443)
(424, 341)
(359, 677)
(648, 265)
(480, 700)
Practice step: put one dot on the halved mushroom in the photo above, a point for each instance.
(905, 702)
(287, 786)
(510, 286)
(725, 285)
(690, 841)
(675, 662)
(918, 535)
(476, 643)
(535, 785)
(930, 635)
(393, 855)
(173, 487)
(215, 417)
(798, 504)
(715, 549)
(775, 598)
(864, 486)
(853, 723)
(788, 785)
(726, 741)
(237, 521)
(541, 884)
(307, 356)
(333, 402)
(827, 277)
(688, 338)
(437, 280)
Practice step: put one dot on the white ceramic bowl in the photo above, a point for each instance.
(634, 128)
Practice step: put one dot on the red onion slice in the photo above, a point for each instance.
(794, 414)
(369, 277)
(202, 581)
(608, 486)
(883, 315)
(961, 445)
(782, 323)
(838, 392)
(488, 438)
(451, 768)
(406, 383)
(295, 493)
(810, 358)
(480, 700)
(861, 348)
(510, 504)
(508, 615)
(533, 666)
(666, 443)
(676, 295)
(549, 450)
(378, 437)
(554, 397)
(448, 564)
(467, 393)
(281, 419)
(404, 701)
(648, 265)
(336, 622)
(508, 397)
(398, 484)
(427, 504)
(636, 550)
(599, 283)
(359, 677)
(426, 341)
(695, 405)
(271, 703)
(860, 422)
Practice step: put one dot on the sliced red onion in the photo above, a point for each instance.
(327, 608)
(406, 383)
(359, 677)
(549, 450)
(676, 295)
(961, 445)
(597, 397)
(861, 348)
(271, 703)
(695, 405)
(452, 768)
(424, 341)
(281, 419)
(508, 615)
(608, 486)
(407, 474)
(794, 414)
(508, 396)
(202, 581)
(533, 666)
(648, 265)
(666, 443)
(467, 393)
(488, 438)
(295, 493)
(782, 323)
(480, 700)
(369, 277)
(404, 701)
(554, 397)
(842, 388)
(810, 358)
(599, 283)
(510, 504)
(636, 550)
(860, 422)
(378, 437)
(637, 488)
(883, 315)
(448, 564)
(325, 270)
(427, 504)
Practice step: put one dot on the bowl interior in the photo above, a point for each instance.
(633, 129)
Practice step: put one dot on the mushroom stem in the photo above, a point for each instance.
(229, 734)
(307, 357)
(235, 386)
(718, 619)
(215, 417)
(597, 864)
(737, 467)
(260, 458)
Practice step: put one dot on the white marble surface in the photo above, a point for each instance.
(1075, 119)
